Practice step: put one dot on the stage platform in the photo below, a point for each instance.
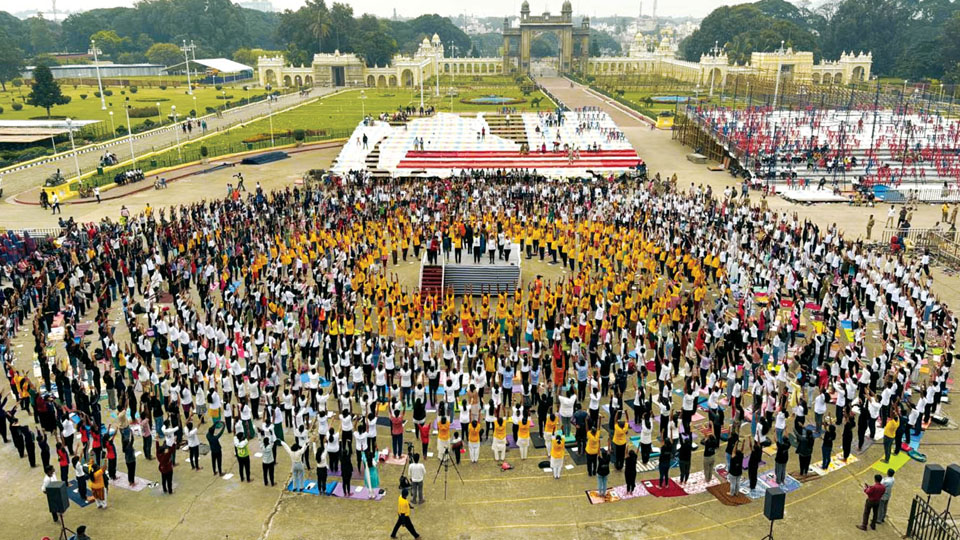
(468, 277)
(585, 143)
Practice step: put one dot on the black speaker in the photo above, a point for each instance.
(932, 479)
(773, 503)
(57, 499)
(951, 480)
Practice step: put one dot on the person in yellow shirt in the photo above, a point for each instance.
(620, 429)
(523, 435)
(499, 439)
(593, 449)
(443, 435)
(889, 435)
(557, 453)
(473, 441)
(403, 515)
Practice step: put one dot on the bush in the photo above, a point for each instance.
(225, 96)
(133, 89)
(245, 88)
(96, 93)
(108, 92)
(219, 87)
(17, 106)
(123, 92)
(163, 87)
(1, 110)
(149, 100)
(121, 130)
(210, 110)
(298, 135)
(203, 151)
(193, 113)
(83, 96)
(143, 112)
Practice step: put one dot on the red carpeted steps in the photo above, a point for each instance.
(431, 280)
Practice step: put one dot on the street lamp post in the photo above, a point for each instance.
(113, 128)
(186, 60)
(270, 118)
(133, 155)
(73, 147)
(159, 114)
(776, 88)
(176, 131)
(96, 66)
(421, 86)
(363, 106)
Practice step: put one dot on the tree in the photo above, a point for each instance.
(166, 54)
(110, 43)
(46, 92)
(11, 61)
(320, 23)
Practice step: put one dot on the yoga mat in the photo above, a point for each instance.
(577, 457)
(616, 494)
(722, 493)
(139, 484)
(75, 496)
(753, 494)
(697, 483)
(311, 487)
(769, 479)
(672, 490)
(391, 460)
(359, 493)
(896, 461)
(836, 462)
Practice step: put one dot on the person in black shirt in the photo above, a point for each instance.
(829, 436)
(630, 472)
(847, 436)
(805, 451)
(756, 452)
(781, 459)
(683, 456)
(710, 445)
(735, 471)
(731, 447)
(666, 455)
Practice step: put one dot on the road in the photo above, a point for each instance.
(17, 181)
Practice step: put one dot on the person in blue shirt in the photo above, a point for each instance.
(506, 378)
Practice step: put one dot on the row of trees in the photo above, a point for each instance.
(908, 38)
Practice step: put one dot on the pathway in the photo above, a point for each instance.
(16, 181)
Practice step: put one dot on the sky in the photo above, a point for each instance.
(412, 8)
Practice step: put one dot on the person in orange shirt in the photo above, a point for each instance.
(557, 453)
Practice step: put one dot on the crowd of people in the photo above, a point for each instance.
(879, 147)
(281, 319)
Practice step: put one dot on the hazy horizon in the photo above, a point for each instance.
(413, 8)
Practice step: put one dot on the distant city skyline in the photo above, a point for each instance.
(491, 8)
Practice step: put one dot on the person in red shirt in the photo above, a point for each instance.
(425, 437)
(874, 494)
(396, 432)
(165, 465)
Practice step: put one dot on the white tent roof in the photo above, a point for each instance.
(223, 65)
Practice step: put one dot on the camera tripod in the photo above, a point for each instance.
(64, 529)
(445, 461)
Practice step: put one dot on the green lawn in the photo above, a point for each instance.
(341, 113)
(325, 118)
(145, 97)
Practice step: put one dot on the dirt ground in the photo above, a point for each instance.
(489, 503)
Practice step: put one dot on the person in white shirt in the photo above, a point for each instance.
(193, 445)
(417, 473)
(49, 476)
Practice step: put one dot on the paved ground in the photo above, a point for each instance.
(521, 503)
(17, 181)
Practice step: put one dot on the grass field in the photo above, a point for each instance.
(329, 117)
(145, 97)
(342, 112)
